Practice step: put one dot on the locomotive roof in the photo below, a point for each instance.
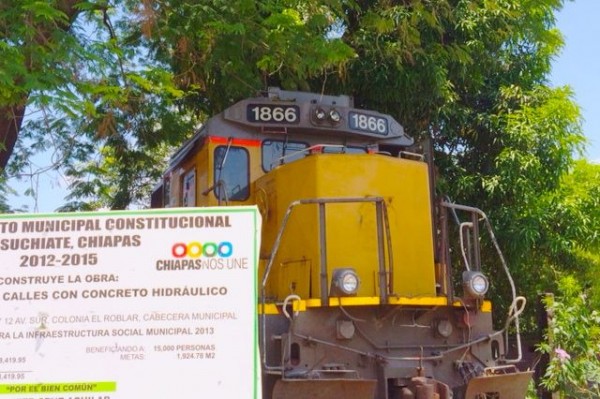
(296, 114)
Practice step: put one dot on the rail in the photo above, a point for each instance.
(385, 276)
(315, 148)
(472, 261)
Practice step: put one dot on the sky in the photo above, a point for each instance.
(578, 66)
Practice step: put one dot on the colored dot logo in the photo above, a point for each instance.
(197, 249)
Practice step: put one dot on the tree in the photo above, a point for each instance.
(35, 41)
(572, 223)
(243, 46)
(123, 104)
(66, 62)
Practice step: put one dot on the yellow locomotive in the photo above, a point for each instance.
(357, 292)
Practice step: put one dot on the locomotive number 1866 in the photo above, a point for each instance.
(267, 113)
(368, 123)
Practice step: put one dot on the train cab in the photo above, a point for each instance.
(255, 136)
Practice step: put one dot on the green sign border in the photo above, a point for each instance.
(159, 211)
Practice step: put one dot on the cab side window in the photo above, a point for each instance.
(231, 173)
(188, 194)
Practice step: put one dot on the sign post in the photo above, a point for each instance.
(120, 305)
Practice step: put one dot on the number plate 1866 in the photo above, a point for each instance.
(271, 113)
(368, 123)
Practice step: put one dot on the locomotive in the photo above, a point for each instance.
(359, 295)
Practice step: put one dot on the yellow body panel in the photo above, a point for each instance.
(351, 228)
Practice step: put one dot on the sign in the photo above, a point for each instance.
(121, 305)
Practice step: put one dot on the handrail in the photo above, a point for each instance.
(296, 203)
(513, 313)
(382, 229)
(280, 160)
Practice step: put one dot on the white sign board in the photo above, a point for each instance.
(122, 305)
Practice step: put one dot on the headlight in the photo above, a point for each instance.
(335, 116)
(475, 284)
(320, 114)
(344, 282)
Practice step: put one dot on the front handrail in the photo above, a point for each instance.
(379, 201)
(383, 229)
(513, 314)
(316, 147)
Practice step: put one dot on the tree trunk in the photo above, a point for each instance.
(11, 119)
